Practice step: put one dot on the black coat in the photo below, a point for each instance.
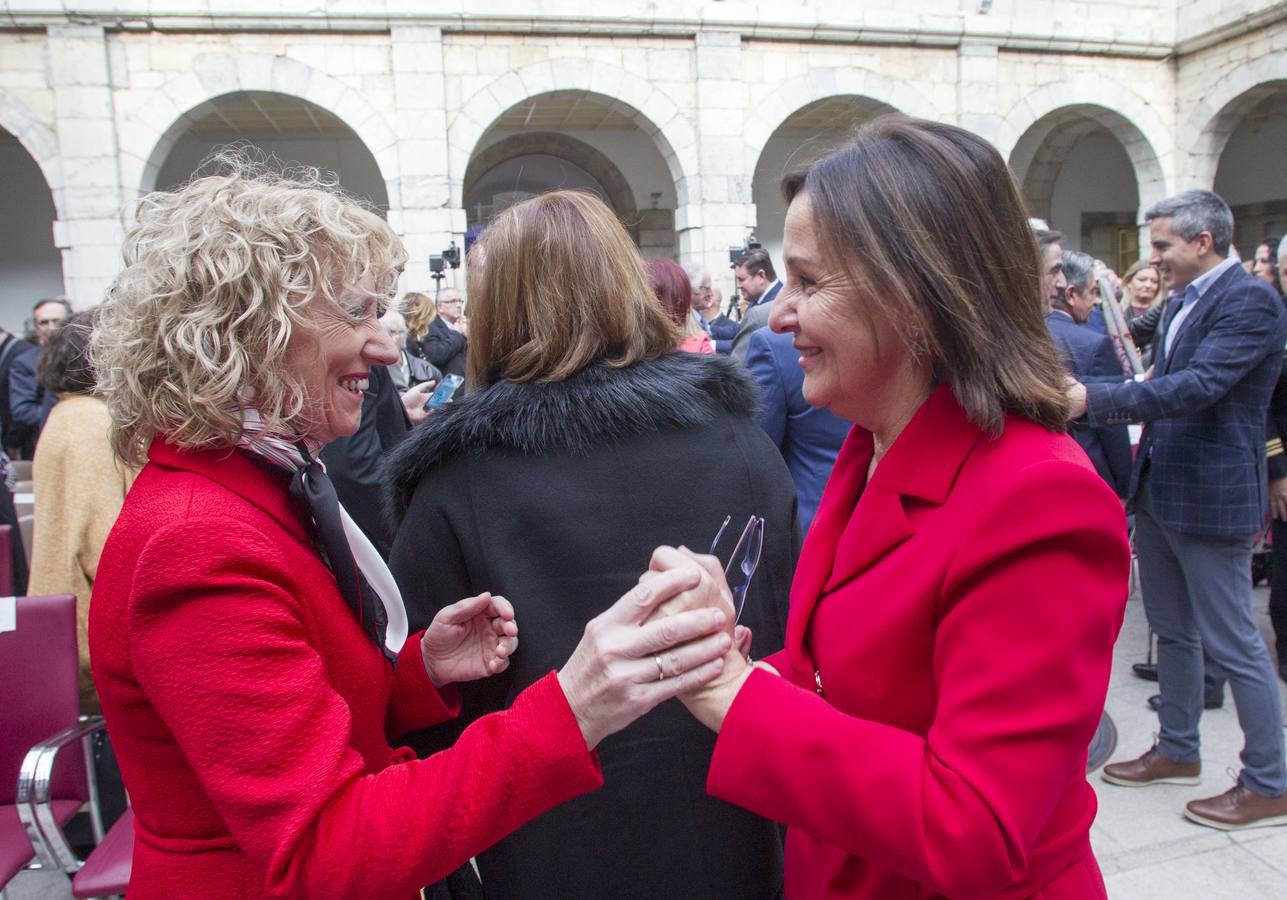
(554, 495)
(442, 346)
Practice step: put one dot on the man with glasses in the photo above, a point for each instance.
(446, 341)
(29, 403)
(707, 303)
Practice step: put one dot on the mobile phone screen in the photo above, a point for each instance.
(443, 392)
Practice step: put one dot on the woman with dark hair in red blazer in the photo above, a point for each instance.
(924, 732)
(248, 643)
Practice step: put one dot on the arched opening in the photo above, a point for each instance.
(803, 136)
(1081, 168)
(575, 139)
(288, 128)
(31, 266)
(1252, 181)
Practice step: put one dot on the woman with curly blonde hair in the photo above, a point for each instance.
(249, 646)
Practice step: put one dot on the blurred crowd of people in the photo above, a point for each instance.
(380, 588)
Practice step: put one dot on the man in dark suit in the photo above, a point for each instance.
(808, 437)
(1089, 354)
(1199, 495)
(759, 284)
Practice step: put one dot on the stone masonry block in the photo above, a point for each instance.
(218, 73)
(291, 77)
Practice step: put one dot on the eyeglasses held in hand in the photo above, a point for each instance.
(744, 561)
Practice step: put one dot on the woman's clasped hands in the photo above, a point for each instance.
(710, 701)
(629, 659)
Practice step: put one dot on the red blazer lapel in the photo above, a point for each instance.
(858, 523)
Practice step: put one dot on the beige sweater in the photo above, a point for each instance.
(79, 486)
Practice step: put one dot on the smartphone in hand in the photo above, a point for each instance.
(443, 392)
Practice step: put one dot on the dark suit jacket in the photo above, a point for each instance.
(442, 346)
(1089, 353)
(29, 403)
(808, 437)
(756, 317)
(1205, 409)
(722, 330)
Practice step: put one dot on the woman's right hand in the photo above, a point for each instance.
(623, 668)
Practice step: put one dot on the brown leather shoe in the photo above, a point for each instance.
(1152, 768)
(1238, 808)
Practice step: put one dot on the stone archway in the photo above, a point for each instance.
(1128, 117)
(1224, 105)
(807, 133)
(617, 191)
(31, 265)
(651, 111)
(148, 135)
(37, 138)
(286, 129)
(822, 84)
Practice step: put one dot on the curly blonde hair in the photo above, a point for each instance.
(217, 276)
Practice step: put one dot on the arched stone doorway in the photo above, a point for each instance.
(525, 164)
(803, 136)
(31, 266)
(288, 128)
(575, 139)
(1085, 169)
(1250, 179)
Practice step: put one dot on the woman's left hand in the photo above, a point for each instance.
(470, 639)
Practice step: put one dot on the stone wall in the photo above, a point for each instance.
(99, 99)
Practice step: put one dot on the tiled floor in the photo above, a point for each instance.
(1145, 847)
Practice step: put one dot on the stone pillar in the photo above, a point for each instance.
(89, 232)
(716, 210)
(976, 89)
(421, 210)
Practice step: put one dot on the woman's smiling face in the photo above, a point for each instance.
(333, 358)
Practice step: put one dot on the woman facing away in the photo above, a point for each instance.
(924, 732)
(249, 645)
(78, 483)
(671, 286)
(583, 440)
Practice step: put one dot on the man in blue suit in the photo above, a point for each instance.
(1199, 494)
(1090, 354)
(808, 437)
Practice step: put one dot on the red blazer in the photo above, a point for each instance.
(251, 715)
(960, 614)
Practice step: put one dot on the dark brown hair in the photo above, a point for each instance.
(926, 221)
(556, 284)
(64, 366)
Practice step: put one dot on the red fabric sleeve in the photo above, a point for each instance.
(1030, 608)
(220, 646)
(416, 703)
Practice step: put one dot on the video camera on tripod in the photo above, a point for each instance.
(438, 263)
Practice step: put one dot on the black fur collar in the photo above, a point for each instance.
(599, 404)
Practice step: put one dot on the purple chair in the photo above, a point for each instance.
(39, 716)
(6, 560)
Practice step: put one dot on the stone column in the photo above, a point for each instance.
(421, 212)
(716, 210)
(976, 89)
(89, 232)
